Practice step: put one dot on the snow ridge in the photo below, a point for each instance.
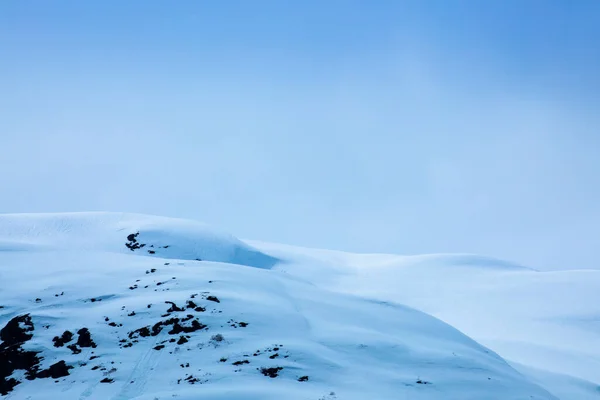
(96, 231)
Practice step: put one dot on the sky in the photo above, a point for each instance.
(404, 127)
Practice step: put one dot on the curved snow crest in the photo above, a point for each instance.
(382, 260)
(169, 238)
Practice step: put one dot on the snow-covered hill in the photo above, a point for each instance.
(121, 306)
(545, 324)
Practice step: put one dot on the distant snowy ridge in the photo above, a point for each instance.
(545, 323)
(374, 260)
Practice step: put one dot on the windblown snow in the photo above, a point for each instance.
(124, 306)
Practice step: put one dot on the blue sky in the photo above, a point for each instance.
(371, 126)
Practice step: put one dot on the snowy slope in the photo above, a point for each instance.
(546, 324)
(120, 306)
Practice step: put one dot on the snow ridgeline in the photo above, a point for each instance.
(169, 238)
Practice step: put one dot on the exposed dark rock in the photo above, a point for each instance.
(17, 330)
(190, 304)
(274, 356)
(234, 324)
(197, 308)
(55, 371)
(133, 243)
(192, 380)
(133, 246)
(182, 340)
(85, 338)
(241, 362)
(272, 372)
(107, 380)
(12, 356)
(156, 329)
(159, 347)
(213, 298)
(177, 328)
(422, 382)
(169, 321)
(303, 378)
(173, 307)
(66, 337)
(143, 332)
(73, 347)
